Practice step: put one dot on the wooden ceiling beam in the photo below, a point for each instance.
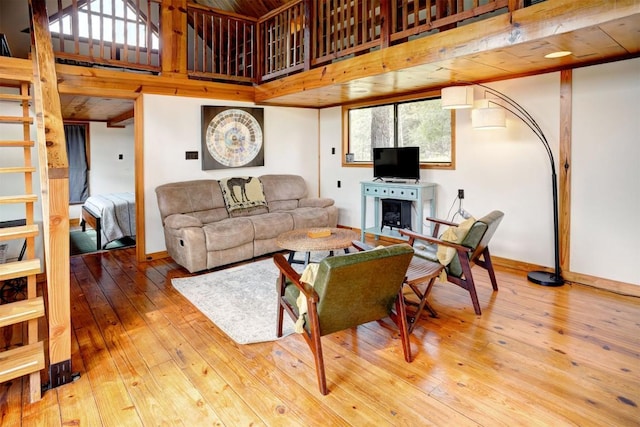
(121, 120)
(74, 80)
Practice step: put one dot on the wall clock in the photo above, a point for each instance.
(232, 137)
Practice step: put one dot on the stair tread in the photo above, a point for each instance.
(15, 119)
(21, 311)
(12, 270)
(21, 361)
(18, 232)
(17, 143)
(17, 169)
(14, 97)
(23, 198)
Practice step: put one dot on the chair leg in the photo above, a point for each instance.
(316, 349)
(424, 304)
(281, 283)
(401, 321)
(469, 284)
(488, 265)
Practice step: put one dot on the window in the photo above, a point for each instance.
(107, 21)
(422, 123)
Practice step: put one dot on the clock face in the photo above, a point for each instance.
(233, 137)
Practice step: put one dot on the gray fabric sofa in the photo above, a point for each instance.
(201, 234)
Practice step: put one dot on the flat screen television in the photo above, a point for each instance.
(391, 163)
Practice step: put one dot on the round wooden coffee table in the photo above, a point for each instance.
(299, 241)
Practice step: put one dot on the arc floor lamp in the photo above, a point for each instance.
(490, 113)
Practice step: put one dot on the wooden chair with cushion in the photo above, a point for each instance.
(421, 275)
(472, 250)
(348, 290)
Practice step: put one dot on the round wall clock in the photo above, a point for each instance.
(234, 137)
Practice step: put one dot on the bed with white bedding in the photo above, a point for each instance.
(113, 216)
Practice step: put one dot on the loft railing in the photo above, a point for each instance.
(344, 28)
(413, 17)
(282, 36)
(220, 45)
(120, 34)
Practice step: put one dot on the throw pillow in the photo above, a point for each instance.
(242, 193)
(308, 276)
(454, 234)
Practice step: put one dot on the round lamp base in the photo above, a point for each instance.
(545, 278)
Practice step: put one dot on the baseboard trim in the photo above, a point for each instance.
(156, 255)
(614, 286)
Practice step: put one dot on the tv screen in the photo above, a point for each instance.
(396, 162)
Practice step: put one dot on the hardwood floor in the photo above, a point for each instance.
(146, 356)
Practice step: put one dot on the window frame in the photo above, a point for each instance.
(389, 101)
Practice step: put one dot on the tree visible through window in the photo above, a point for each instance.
(422, 123)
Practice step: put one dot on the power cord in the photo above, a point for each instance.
(460, 211)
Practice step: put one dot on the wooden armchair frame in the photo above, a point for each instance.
(313, 333)
(468, 256)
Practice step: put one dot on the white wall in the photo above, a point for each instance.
(508, 169)
(109, 174)
(605, 229)
(13, 184)
(172, 125)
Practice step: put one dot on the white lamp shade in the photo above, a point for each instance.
(488, 118)
(456, 97)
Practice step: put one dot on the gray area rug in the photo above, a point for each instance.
(242, 300)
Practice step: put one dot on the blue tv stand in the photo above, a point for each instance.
(418, 193)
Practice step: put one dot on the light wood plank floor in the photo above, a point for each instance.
(146, 356)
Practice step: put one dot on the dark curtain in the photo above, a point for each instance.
(75, 136)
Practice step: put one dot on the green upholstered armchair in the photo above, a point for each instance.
(472, 250)
(348, 290)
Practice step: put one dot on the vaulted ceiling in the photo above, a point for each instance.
(254, 8)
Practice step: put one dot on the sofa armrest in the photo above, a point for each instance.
(178, 221)
(315, 202)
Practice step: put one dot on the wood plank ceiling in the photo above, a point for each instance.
(253, 8)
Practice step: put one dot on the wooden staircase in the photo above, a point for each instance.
(27, 358)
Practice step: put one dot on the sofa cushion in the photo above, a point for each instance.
(181, 221)
(228, 233)
(188, 197)
(211, 215)
(271, 225)
(258, 210)
(282, 192)
(309, 217)
(282, 205)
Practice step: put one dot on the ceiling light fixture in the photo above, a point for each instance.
(558, 54)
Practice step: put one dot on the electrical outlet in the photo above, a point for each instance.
(460, 194)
